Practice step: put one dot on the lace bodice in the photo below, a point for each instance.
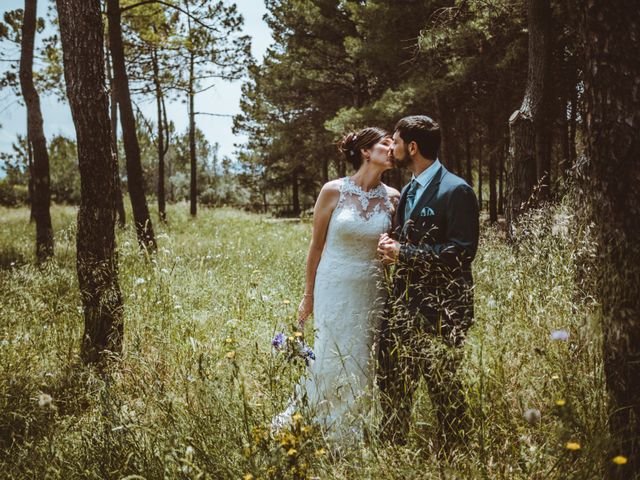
(357, 222)
(376, 198)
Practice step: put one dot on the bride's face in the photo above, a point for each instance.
(380, 156)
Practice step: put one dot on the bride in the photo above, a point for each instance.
(342, 291)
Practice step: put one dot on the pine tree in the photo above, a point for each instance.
(81, 31)
(41, 199)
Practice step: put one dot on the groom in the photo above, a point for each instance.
(431, 306)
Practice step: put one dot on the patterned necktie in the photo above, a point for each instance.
(411, 197)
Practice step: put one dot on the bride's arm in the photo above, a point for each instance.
(325, 204)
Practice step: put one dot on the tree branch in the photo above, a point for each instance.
(214, 114)
(170, 5)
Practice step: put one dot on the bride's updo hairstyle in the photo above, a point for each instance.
(353, 142)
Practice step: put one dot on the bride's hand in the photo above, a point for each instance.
(305, 309)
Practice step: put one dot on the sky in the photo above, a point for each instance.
(223, 99)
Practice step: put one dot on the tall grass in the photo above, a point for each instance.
(197, 385)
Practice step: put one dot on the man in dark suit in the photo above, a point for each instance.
(431, 303)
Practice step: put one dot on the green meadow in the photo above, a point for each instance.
(194, 392)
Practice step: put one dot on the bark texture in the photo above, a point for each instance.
(81, 32)
(162, 148)
(39, 171)
(612, 101)
(530, 144)
(135, 182)
(193, 160)
(113, 105)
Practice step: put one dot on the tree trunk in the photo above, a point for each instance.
(393, 178)
(192, 140)
(611, 32)
(162, 212)
(113, 102)
(563, 130)
(325, 169)
(167, 142)
(501, 178)
(467, 151)
(448, 154)
(480, 174)
(295, 193)
(342, 167)
(540, 28)
(529, 157)
(493, 194)
(41, 199)
(144, 227)
(573, 120)
(81, 32)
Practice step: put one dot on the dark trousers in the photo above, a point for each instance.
(411, 347)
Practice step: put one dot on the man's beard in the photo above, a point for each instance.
(403, 162)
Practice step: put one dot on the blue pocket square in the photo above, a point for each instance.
(427, 212)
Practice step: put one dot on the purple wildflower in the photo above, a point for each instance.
(561, 335)
(308, 353)
(279, 340)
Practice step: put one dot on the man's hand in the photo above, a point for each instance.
(388, 249)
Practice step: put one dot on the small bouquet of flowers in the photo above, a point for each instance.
(293, 346)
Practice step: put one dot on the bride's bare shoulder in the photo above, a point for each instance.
(330, 192)
(333, 185)
(331, 188)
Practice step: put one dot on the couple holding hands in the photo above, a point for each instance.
(389, 284)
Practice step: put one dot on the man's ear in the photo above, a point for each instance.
(413, 148)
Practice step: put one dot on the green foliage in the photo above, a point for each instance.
(49, 78)
(197, 386)
(64, 172)
(337, 66)
(306, 76)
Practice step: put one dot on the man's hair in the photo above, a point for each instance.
(424, 131)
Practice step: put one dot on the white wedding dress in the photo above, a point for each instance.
(348, 300)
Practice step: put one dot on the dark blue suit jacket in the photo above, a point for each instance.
(438, 243)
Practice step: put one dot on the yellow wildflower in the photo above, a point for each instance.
(248, 476)
(231, 354)
(229, 340)
(287, 439)
(286, 302)
(619, 460)
(292, 452)
(573, 446)
(561, 402)
(320, 452)
(297, 417)
(298, 334)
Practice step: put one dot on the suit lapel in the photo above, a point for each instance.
(428, 194)
(401, 205)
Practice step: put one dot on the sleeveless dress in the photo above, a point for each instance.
(348, 300)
